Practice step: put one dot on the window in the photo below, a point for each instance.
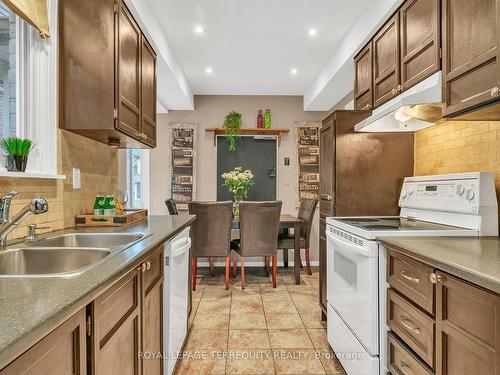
(28, 95)
(138, 178)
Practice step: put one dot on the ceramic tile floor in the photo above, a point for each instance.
(259, 330)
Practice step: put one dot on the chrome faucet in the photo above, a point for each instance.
(5, 202)
(37, 206)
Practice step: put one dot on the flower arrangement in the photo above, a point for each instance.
(238, 182)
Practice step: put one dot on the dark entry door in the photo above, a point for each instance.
(258, 155)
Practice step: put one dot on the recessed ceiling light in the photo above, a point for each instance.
(199, 30)
(313, 32)
(294, 71)
(208, 70)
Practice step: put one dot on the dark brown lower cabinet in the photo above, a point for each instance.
(467, 329)
(322, 269)
(62, 352)
(127, 321)
(152, 314)
(116, 334)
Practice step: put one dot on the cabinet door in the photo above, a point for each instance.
(128, 81)
(116, 334)
(386, 82)
(471, 70)
(420, 41)
(327, 168)
(363, 84)
(322, 267)
(152, 314)
(467, 329)
(148, 73)
(62, 352)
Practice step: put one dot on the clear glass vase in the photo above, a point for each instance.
(236, 209)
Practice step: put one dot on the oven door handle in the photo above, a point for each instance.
(347, 248)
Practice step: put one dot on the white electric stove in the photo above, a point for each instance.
(462, 204)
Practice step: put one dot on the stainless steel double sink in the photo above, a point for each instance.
(65, 255)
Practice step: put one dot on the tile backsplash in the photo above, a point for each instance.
(99, 174)
(459, 146)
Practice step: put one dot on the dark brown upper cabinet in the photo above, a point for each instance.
(386, 82)
(363, 84)
(404, 52)
(471, 66)
(107, 74)
(419, 41)
(148, 94)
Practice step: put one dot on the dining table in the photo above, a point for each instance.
(287, 222)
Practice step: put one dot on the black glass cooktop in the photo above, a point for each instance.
(394, 223)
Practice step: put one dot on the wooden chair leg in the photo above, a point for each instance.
(228, 267)
(275, 267)
(285, 258)
(308, 262)
(194, 266)
(211, 265)
(266, 265)
(235, 259)
(242, 275)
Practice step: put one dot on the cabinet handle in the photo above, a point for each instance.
(408, 324)
(326, 197)
(366, 107)
(404, 366)
(148, 265)
(435, 278)
(400, 88)
(394, 91)
(143, 268)
(495, 91)
(409, 278)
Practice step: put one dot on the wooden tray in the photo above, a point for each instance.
(129, 216)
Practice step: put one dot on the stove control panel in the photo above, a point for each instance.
(446, 194)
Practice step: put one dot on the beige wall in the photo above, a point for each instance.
(209, 112)
(98, 167)
(459, 146)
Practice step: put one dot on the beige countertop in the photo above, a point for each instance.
(474, 259)
(30, 308)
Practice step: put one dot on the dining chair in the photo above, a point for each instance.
(287, 241)
(211, 233)
(171, 206)
(259, 223)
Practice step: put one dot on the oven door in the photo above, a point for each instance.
(353, 287)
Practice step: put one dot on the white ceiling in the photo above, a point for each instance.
(252, 45)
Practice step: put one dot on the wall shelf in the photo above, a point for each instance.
(250, 131)
(46, 176)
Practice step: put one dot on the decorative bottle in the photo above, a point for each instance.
(267, 119)
(260, 120)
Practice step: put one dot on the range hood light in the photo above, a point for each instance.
(402, 115)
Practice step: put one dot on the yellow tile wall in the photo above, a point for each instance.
(459, 146)
(99, 174)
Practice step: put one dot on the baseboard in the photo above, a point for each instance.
(254, 263)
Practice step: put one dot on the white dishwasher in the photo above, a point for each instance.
(175, 297)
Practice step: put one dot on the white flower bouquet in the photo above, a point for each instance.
(238, 182)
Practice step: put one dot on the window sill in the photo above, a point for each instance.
(45, 176)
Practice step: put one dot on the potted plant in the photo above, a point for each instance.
(232, 126)
(238, 182)
(16, 151)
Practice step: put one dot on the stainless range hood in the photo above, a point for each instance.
(417, 108)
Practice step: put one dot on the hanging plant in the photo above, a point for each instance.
(232, 126)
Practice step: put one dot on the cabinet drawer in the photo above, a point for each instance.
(403, 361)
(411, 279)
(152, 270)
(116, 304)
(413, 326)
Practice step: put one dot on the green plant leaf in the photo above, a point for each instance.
(16, 146)
(232, 126)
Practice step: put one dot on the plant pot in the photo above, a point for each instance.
(16, 163)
